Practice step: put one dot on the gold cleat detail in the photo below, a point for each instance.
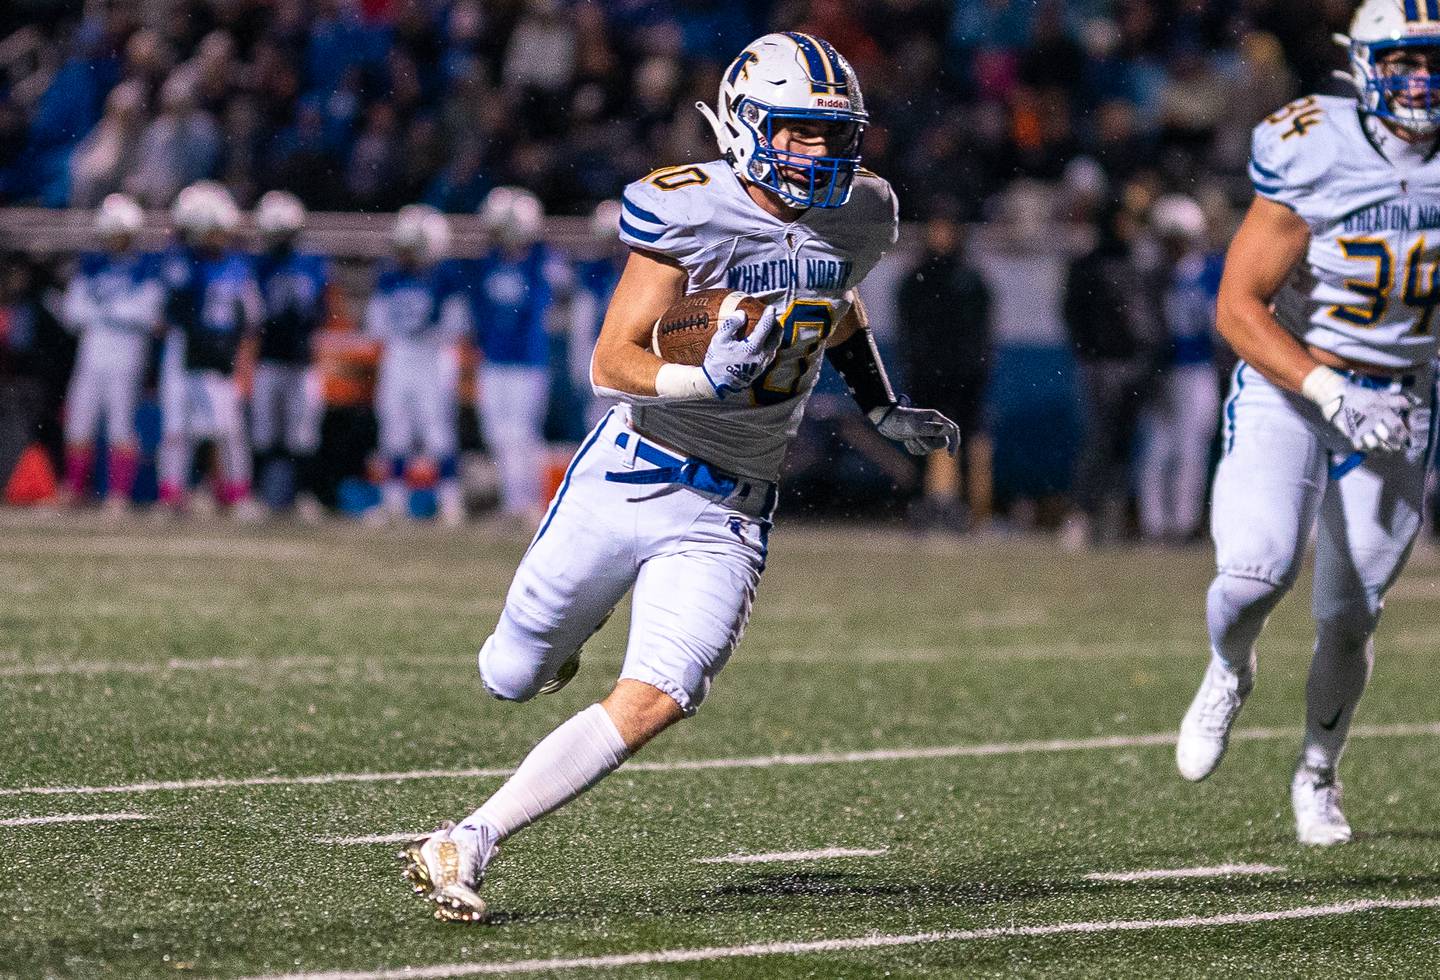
(454, 899)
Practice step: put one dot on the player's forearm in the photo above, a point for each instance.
(1248, 325)
(629, 372)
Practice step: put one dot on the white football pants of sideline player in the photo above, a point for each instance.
(512, 399)
(105, 383)
(1177, 429)
(690, 540)
(415, 399)
(194, 405)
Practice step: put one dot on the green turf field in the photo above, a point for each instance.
(239, 703)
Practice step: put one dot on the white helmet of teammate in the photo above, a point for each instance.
(605, 221)
(204, 207)
(1409, 99)
(1178, 216)
(421, 231)
(512, 215)
(784, 78)
(279, 215)
(119, 216)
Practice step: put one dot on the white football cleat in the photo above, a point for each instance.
(447, 868)
(1315, 795)
(1205, 730)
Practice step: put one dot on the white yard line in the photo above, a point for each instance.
(858, 943)
(1217, 871)
(741, 762)
(371, 839)
(780, 856)
(72, 818)
(83, 668)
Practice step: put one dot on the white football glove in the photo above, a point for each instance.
(1373, 421)
(732, 363)
(920, 430)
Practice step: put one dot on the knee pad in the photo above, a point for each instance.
(506, 676)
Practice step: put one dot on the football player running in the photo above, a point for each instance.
(673, 492)
(1328, 296)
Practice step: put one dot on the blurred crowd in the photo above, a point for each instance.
(1126, 122)
(374, 104)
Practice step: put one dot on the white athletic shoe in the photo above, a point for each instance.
(447, 868)
(1205, 731)
(308, 509)
(1315, 795)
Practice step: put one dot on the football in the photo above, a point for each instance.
(683, 333)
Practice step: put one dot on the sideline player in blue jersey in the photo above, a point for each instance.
(1329, 297)
(212, 306)
(285, 399)
(419, 312)
(596, 276)
(113, 303)
(673, 493)
(515, 286)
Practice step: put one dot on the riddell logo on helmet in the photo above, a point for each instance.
(831, 103)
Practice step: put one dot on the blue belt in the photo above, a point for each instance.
(696, 474)
(1379, 382)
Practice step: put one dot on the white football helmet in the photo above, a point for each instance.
(513, 215)
(1178, 216)
(118, 215)
(1409, 99)
(421, 231)
(279, 215)
(780, 78)
(203, 207)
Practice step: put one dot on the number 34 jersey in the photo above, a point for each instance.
(1367, 289)
(702, 217)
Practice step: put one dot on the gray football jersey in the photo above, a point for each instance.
(702, 217)
(1367, 289)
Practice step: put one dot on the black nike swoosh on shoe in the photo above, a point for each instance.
(1329, 726)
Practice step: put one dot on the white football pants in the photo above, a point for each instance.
(105, 384)
(692, 550)
(285, 408)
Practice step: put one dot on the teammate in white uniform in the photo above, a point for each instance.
(1329, 295)
(419, 312)
(673, 493)
(113, 303)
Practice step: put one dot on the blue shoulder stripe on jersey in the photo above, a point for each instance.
(633, 232)
(1266, 188)
(640, 212)
(1264, 171)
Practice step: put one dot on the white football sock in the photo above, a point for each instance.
(1338, 675)
(565, 763)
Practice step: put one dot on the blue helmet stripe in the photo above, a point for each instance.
(1412, 10)
(640, 212)
(633, 232)
(819, 68)
(837, 67)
